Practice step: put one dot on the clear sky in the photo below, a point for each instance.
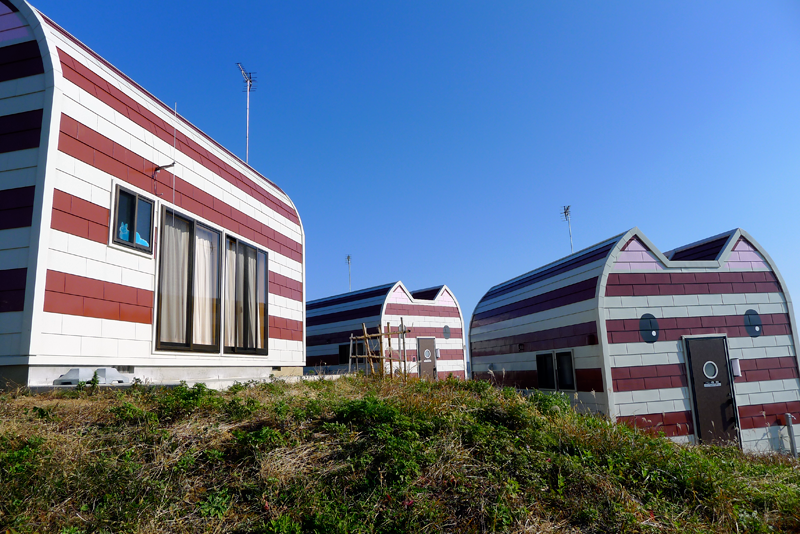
(436, 142)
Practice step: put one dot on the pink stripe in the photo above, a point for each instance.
(673, 328)
(424, 311)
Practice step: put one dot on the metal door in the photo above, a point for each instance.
(426, 357)
(710, 379)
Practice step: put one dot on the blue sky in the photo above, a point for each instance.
(436, 142)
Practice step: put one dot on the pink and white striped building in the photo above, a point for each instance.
(435, 346)
(697, 342)
(128, 237)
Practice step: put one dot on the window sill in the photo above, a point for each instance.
(135, 252)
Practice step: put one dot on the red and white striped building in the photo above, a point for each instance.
(432, 314)
(697, 342)
(128, 237)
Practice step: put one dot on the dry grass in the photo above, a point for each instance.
(355, 455)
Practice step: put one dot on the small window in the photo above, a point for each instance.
(566, 376)
(555, 371)
(133, 223)
(246, 323)
(546, 371)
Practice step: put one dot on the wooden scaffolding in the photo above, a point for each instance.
(375, 360)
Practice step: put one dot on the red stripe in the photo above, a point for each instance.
(12, 289)
(280, 328)
(85, 144)
(83, 77)
(671, 329)
(539, 275)
(670, 423)
(333, 359)
(674, 375)
(764, 415)
(78, 217)
(344, 337)
(577, 335)
(366, 314)
(16, 207)
(78, 295)
(650, 284)
(586, 380)
(20, 61)
(285, 287)
(648, 377)
(563, 296)
(445, 354)
(420, 310)
(20, 131)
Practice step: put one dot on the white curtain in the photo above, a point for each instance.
(205, 286)
(262, 299)
(174, 279)
(245, 296)
(230, 294)
(250, 299)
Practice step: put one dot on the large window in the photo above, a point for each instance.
(555, 371)
(189, 286)
(246, 280)
(133, 221)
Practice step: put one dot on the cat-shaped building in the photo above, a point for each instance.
(697, 342)
(434, 346)
(128, 237)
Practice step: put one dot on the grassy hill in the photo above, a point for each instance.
(357, 455)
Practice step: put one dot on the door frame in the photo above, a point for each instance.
(420, 358)
(690, 384)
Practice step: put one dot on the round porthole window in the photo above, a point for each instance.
(427, 354)
(711, 370)
(648, 328)
(752, 323)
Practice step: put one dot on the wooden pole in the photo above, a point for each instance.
(350, 359)
(380, 347)
(367, 349)
(391, 350)
(405, 360)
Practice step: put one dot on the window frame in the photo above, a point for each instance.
(115, 223)
(189, 346)
(553, 354)
(226, 350)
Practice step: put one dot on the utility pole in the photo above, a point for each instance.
(249, 80)
(565, 214)
(349, 279)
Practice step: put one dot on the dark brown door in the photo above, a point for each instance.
(714, 408)
(426, 357)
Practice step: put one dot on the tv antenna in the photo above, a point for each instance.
(567, 216)
(349, 259)
(249, 80)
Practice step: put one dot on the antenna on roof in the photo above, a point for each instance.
(566, 215)
(349, 280)
(249, 80)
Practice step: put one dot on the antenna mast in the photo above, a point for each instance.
(565, 214)
(349, 280)
(249, 80)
